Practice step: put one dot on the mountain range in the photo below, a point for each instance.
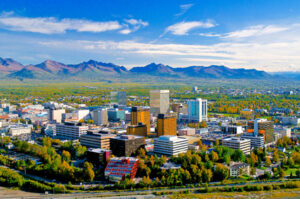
(92, 69)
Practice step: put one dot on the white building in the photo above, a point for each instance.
(56, 115)
(19, 130)
(170, 145)
(197, 110)
(256, 141)
(283, 131)
(159, 101)
(81, 114)
(100, 117)
(237, 143)
(187, 131)
(239, 168)
(232, 129)
(70, 131)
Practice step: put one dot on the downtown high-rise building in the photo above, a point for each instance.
(159, 101)
(140, 115)
(166, 125)
(100, 116)
(197, 110)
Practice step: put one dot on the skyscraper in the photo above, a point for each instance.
(118, 97)
(159, 101)
(166, 125)
(197, 110)
(100, 117)
(140, 115)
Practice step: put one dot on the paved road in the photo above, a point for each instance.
(126, 194)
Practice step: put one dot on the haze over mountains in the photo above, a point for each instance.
(49, 69)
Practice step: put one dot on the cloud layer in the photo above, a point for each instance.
(52, 25)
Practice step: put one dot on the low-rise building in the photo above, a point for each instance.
(96, 139)
(70, 131)
(118, 168)
(187, 131)
(232, 129)
(256, 141)
(98, 156)
(237, 143)
(125, 145)
(170, 145)
(239, 168)
(19, 130)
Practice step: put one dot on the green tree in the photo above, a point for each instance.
(66, 156)
(88, 172)
(268, 162)
(221, 172)
(238, 156)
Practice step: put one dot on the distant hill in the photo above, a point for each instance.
(201, 71)
(288, 75)
(95, 70)
(9, 65)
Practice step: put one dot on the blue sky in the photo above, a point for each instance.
(237, 33)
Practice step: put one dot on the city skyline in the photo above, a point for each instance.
(243, 34)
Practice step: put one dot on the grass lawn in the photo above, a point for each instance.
(225, 114)
(288, 172)
(262, 168)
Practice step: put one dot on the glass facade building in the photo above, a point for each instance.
(159, 101)
(197, 110)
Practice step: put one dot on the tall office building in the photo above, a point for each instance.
(262, 127)
(140, 115)
(159, 101)
(56, 115)
(118, 97)
(100, 117)
(197, 110)
(115, 115)
(237, 143)
(166, 125)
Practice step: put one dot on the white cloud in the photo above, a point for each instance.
(136, 22)
(210, 35)
(255, 31)
(182, 28)
(50, 25)
(133, 25)
(125, 31)
(184, 8)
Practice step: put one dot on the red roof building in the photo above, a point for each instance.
(118, 168)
